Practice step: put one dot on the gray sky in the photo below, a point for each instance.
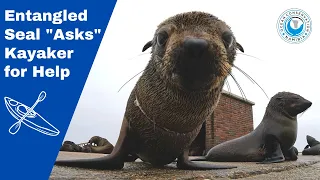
(281, 66)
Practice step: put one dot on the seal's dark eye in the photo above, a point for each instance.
(228, 39)
(162, 38)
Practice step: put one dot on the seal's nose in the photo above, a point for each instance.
(305, 105)
(195, 46)
(309, 104)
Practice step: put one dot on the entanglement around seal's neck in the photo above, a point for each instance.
(192, 55)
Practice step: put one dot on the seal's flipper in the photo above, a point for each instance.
(106, 149)
(183, 162)
(199, 158)
(295, 150)
(109, 162)
(113, 161)
(273, 151)
(291, 154)
(307, 146)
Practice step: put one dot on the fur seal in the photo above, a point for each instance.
(102, 145)
(272, 141)
(70, 146)
(192, 55)
(313, 147)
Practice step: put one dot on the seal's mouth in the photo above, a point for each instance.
(194, 68)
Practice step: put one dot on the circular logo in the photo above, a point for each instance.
(294, 26)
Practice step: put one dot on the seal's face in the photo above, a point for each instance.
(194, 51)
(290, 103)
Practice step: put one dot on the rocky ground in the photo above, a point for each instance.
(306, 167)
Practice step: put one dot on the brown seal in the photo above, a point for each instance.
(70, 146)
(192, 55)
(313, 147)
(101, 145)
(272, 141)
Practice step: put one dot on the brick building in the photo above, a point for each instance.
(232, 118)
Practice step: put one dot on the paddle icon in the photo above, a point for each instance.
(16, 126)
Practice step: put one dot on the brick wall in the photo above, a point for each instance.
(232, 118)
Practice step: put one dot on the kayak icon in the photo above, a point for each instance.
(27, 116)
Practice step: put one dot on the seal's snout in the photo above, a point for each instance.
(194, 69)
(306, 104)
(301, 105)
(195, 46)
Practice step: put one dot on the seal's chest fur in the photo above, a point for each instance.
(164, 121)
(159, 146)
(288, 136)
(154, 142)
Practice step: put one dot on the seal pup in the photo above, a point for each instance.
(192, 55)
(313, 147)
(272, 141)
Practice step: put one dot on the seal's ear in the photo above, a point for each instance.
(147, 46)
(240, 47)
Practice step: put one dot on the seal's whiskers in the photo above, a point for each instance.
(249, 56)
(131, 79)
(251, 79)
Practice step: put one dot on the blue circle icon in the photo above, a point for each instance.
(294, 26)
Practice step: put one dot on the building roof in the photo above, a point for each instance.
(237, 97)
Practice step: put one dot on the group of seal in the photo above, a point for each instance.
(273, 139)
(313, 147)
(96, 144)
(192, 55)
